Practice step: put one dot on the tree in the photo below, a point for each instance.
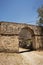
(40, 14)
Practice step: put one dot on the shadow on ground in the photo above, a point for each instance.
(26, 51)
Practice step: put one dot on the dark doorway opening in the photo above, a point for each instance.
(26, 39)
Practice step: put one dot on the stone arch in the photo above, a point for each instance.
(26, 35)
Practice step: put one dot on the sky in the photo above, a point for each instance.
(20, 11)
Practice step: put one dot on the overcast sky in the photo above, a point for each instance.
(20, 11)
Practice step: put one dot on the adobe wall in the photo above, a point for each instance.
(9, 36)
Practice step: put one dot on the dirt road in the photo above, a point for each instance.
(32, 57)
(26, 58)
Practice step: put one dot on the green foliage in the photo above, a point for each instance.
(40, 13)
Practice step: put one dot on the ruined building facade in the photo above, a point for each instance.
(12, 33)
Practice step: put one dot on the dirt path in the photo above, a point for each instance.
(33, 58)
(26, 58)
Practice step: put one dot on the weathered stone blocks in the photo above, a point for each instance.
(10, 36)
(9, 43)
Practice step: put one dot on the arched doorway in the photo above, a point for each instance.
(26, 36)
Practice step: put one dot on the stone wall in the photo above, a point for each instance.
(9, 43)
(9, 36)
